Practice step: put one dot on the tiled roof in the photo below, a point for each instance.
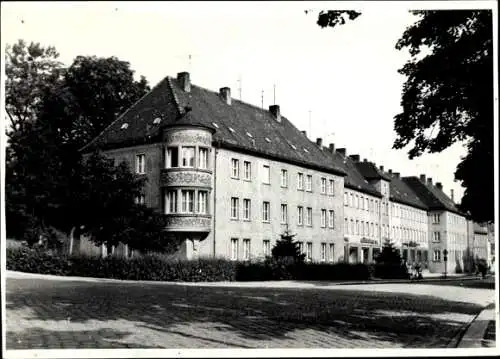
(480, 229)
(370, 171)
(402, 193)
(239, 126)
(354, 179)
(434, 198)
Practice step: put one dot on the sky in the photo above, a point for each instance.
(340, 84)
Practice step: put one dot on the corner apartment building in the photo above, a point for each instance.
(228, 176)
(231, 177)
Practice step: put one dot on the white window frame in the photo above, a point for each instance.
(284, 178)
(140, 199)
(309, 251)
(309, 183)
(323, 252)
(300, 215)
(284, 213)
(246, 249)
(247, 170)
(346, 199)
(300, 181)
(235, 168)
(309, 216)
(234, 208)
(436, 237)
(331, 218)
(187, 159)
(171, 198)
(266, 174)
(266, 245)
(202, 202)
(247, 209)
(266, 211)
(187, 201)
(323, 185)
(140, 163)
(331, 252)
(234, 249)
(331, 187)
(323, 218)
(203, 158)
(169, 156)
(436, 255)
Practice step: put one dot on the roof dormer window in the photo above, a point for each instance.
(231, 129)
(306, 150)
(156, 121)
(124, 126)
(267, 139)
(215, 125)
(249, 135)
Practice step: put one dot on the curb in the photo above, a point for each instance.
(476, 330)
(270, 284)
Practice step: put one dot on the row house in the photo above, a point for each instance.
(231, 177)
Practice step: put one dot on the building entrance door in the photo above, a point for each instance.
(365, 254)
(353, 255)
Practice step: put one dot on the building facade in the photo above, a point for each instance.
(230, 177)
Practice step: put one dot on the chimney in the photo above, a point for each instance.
(381, 168)
(422, 178)
(331, 147)
(341, 151)
(452, 194)
(355, 158)
(225, 94)
(396, 174)
(304, 133)
(365, 160)
(319, 141)
(390, 172)
(184, 82)
(275, 111)
(429, 181)
(439, 186)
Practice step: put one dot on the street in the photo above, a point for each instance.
(48, 313)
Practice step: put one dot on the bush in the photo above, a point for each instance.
(389, 264)
(161, 268)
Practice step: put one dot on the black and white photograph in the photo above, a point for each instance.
(249, 179)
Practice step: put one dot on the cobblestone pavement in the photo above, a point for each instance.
(53, 314)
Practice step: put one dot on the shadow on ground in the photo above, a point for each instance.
(487, 283)
(254, 315)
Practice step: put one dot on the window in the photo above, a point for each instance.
(300, 215)
(352, 200)
(323, 185)
(140, 199)
(346, 225)
(366, 204)
(284, 178)
(171, 201)
(172, 157)
(323, 218)
(266, 211)
(357, 227)
(346, 199)
(436, 217)
(235, 168)
(266, 174)
(323, 252)
(309, 218)
(234, 207)
(331, 252)
(356, 203)
(300, 181)
(371, 205)
(203, 158)
(234, 249)
(247, 170)
(247, 211)
(266, 244)
(436, 237)
(362, 228)
(202, 202)
(372, 230)
(309, 251)
(353, 229)
(331, 219)
(331, 187)
(140, 164)
(301, 247)
(309, 183)
(187, 201)
(437, 255)
(187, 158)
(246, 249)
(284, 214)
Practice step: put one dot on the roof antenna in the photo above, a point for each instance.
(189, 63)
(262, 98)
(274, 94)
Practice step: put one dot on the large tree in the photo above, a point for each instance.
(448, 95)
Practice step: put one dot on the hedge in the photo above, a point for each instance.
(162, 268)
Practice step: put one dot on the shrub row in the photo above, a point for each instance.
(161, 268)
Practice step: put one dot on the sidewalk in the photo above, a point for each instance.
(250, 284)
(481, 332)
